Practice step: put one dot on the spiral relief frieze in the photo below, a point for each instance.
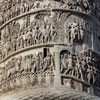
(49, 43)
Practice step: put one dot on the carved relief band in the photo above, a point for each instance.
(50, 43)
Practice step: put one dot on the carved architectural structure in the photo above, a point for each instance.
(50, 43)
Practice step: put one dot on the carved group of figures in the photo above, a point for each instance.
(41, 29)
(82, 68)
(15, 36)
(12, 8)
(75, 31)
(23, 67)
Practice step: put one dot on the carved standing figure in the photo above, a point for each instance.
(64, 63)
(79, 69)
(70, 70)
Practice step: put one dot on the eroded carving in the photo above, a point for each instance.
(24, 69)
(81, 67)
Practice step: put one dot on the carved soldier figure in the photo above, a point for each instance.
(84, 69)
(69, 4)
(3, 35)
(74, 5)
(11, 68)
(64, 63)
(22, 8)
(29, 37)
(86, 5)
(1, 19)
(81, 32)
(79, 5)
(18, 43)
(75, 32)
(71, 33)
(14, 43)
(28, 63)
(24, 65)
(24, 25)
(91, 71)
(94, 74)
(46, 35)
(90, 75)
(36, 4)
(79, 69)
(47, 62)
(70, 69)
(6, 48)
(33, 70)
(14, 10)
(53, 34)
(37, 34)
(0, 54)
(37, 62)
(52, 66)
(41, 61)
(22, 39)
(18, 65)
(34, 29)
(26, 7)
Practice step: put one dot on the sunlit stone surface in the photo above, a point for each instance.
(49, 49)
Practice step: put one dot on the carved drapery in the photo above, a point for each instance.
(33, 69)
(32, 24)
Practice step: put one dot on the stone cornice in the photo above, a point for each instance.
(48, 10)
(30, 48)
(74, 78)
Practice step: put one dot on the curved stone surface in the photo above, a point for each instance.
(61, 93)
(46, 44)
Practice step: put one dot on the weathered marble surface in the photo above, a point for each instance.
(49, 43)
(61, 93)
